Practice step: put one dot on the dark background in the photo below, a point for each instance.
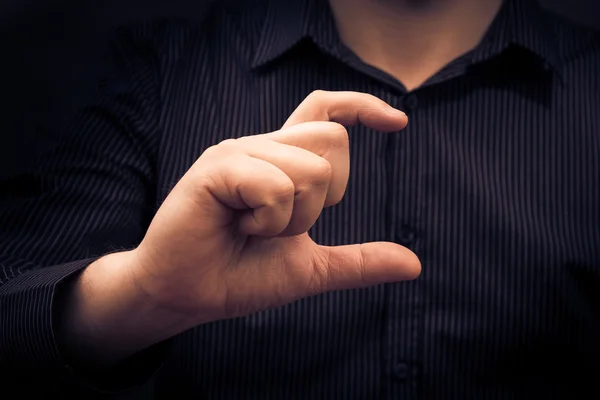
(50, 54)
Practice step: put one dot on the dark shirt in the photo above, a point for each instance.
(494, 184)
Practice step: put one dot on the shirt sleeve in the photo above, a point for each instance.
(91, 193)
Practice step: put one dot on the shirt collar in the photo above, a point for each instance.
(289, 22)
(522, 23)
(519, 22)
(285, 25)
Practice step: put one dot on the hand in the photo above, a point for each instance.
(231, 238)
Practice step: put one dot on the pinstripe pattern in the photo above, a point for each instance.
(494, 184)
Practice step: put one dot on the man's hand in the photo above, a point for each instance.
(231, 237)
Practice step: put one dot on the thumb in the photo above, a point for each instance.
(362, 265)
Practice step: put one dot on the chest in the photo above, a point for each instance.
(508, 159)
(495, 188)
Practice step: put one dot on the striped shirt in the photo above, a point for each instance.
(494, 184)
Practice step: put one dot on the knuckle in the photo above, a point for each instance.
(321, 171)
(243, 140)
(211, 151)
(282, 191)
(221, 149)
(228, 143)
(316, 95)
(337, 135)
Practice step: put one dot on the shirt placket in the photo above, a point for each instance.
(403, 317)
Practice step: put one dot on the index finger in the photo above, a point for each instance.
(348, 108)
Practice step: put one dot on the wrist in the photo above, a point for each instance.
(154, 292)
(107, 318)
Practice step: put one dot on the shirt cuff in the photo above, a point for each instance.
(28, 338)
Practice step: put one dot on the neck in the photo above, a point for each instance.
(412, 39)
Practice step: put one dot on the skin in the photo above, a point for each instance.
(231, 237)
(412, 39)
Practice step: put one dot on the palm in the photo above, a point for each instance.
(269, 272)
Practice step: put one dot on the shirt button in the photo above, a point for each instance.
(411, 102)
(405, 235)
(401, 371)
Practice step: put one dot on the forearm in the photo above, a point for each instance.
(104, 317)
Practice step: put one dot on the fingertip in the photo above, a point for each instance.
(407, 262)
(413, 268)
(410, 264)
(399, 116)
